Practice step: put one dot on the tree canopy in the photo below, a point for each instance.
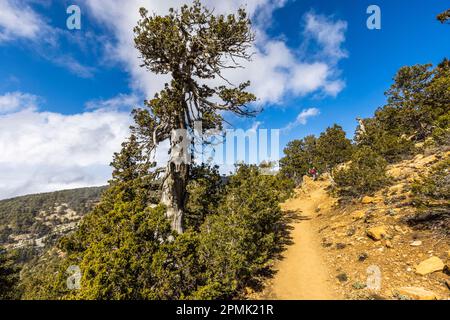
(330, 149)
(444, 17)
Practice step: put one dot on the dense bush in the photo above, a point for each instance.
(365, 174)
(8, 276)
(433, 190)
(431, 195)
(392, 147)
(43, 278)
(238, 242)
(204, 192)
(441, 131)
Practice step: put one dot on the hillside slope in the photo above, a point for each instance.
(371, 248)
(34, 221)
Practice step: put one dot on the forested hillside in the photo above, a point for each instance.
(29, 220)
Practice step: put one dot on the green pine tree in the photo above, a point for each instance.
(333, 148)
(365, 174)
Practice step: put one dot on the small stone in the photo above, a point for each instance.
(392, 212)
(430, 265)
(377, 233)
(357, 215)
(416, 243)
(363, 257)
(326, 244)
(389, 244)
(417, 293)
(249, 291)
(446, 270)
(359, 286)
(351, 232)
(368, 200)
(340, 246)
(342, 277)
(399, 229)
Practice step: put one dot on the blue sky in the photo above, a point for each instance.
(65, 94)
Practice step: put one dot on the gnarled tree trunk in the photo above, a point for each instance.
(175, 180)
(174, 195)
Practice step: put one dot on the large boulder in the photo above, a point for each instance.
(430, 265)
(417, 293)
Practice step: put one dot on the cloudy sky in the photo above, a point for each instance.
(65, 95)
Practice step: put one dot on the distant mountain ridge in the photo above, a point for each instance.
(36, 221)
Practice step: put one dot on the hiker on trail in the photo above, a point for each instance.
(313, 172)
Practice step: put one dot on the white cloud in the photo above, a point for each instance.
(73, 66)
(334, 87)
(307, 78)
(21, 23)
(119, 102)
(44, 151)
(275, 71)
(15, 101)
(302, 118)
(18, 20)
(329, 34)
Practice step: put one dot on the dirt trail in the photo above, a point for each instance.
(302, 273)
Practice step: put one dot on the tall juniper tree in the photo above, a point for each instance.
(193, 46)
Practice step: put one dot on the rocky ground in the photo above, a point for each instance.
(363, 249)
(373, 253)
